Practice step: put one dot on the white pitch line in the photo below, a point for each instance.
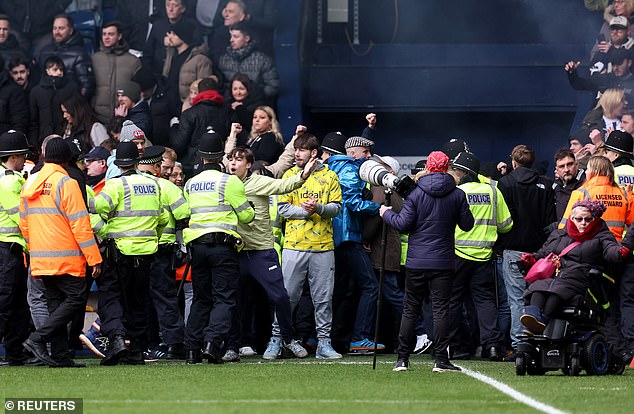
(523, 398)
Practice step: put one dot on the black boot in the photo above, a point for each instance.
(118, 349)
(213, 352)
(38, 349)
(193, 357)
(176, 351)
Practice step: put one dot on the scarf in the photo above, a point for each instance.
(593, 228)
(209, 95)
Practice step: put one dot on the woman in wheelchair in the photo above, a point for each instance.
(596, 246)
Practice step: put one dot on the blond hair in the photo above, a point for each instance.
(610, 100)
(275, 125)
(599, 166)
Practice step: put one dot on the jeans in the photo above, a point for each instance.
(504, 312)
(392, 293)
(353, 262)
(515, 287)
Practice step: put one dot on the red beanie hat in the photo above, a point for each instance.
(437, 162)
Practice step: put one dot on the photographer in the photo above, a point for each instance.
(430, 214)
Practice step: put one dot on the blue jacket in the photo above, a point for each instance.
(430, 215)
(348, 225)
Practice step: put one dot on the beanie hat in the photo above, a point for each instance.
(454, 147)
(437, 162)
(359, 142)
(334, 143)
(130, 89)
(596, 208)
(57, 151)
(185, 30)
(130, 131)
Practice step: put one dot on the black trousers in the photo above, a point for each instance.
(215, 280)
(417, 283)
(65, 297)
(475, 280)
(123, 295)
(14, 309)
(163, 288)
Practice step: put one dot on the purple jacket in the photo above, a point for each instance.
(430, 215)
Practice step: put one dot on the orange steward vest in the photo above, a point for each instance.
(55, 224)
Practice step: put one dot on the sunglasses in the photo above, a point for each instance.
(582, 219)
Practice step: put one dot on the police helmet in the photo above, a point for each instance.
(127, 154)
(453, 147)
(467, 162)
(13, 143)
(211, 146)
(152, 155)
(621, 142)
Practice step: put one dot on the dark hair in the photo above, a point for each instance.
(69, 19)
(243, 79)
(207, 84)
(564, 153)
(114, 23)
(114, 125)
(306, 141)
(53, 61)
(523, 155)
(83, 116)
(17, 61)
(242, 27)
(242, 152)
(5, 17)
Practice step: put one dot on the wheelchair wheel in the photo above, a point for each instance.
(520, 364)
(596, 357)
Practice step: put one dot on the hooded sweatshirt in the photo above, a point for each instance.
(531, 200)
(430, 215)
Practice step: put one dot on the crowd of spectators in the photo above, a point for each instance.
(187, 87)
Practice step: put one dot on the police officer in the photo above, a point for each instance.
(474, 253)
(163, 285)
(131, 206)
(619, 146)
(217, 202)
(14, 310)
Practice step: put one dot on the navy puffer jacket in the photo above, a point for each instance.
(430, 215)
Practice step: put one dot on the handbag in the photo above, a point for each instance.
(547, 267)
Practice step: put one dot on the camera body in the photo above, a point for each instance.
(376, 174)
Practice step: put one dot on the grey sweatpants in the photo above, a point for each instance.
(319, 269)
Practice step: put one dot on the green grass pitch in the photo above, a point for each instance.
(310, 386)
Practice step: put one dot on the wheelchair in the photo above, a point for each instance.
(571, 341)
